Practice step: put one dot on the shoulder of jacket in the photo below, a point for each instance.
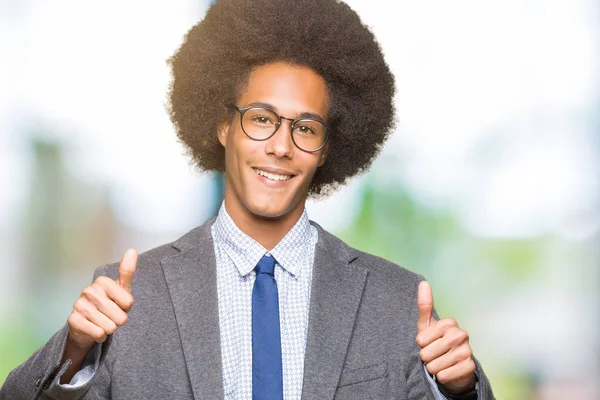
(372, 263)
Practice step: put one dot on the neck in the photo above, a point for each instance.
(266, 231)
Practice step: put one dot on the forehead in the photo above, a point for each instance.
(290, 89)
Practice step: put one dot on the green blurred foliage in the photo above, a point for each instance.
(393, 224)
(19, 339)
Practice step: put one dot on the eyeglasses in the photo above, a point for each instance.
(259, 123)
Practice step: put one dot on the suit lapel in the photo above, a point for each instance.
(192, 282)
(336, 292)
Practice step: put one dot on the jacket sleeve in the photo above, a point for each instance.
(484, 388)
(39, 376)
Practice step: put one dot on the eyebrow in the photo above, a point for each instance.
(274, 109)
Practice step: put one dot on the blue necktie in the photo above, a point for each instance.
(267, 371)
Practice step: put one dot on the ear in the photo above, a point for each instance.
(222, 132)
(324, 154)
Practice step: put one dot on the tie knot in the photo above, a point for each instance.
(266, 265)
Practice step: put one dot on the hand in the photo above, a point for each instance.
(102, 306)
(96, 314)
(444, 346)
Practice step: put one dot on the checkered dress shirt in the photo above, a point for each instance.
(237, 255)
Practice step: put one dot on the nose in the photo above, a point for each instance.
(281, 144)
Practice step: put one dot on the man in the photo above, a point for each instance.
(289, 99)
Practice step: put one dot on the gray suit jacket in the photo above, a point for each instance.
(361, 336)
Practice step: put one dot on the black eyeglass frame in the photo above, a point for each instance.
(242, 111)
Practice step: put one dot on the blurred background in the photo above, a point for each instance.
(490, 186)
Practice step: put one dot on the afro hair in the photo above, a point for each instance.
(217, 55)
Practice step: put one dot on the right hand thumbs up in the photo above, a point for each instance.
(127, 269)
(97, 313)
(102, 306)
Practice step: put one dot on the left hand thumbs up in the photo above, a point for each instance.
(425, 304)
(444, 346)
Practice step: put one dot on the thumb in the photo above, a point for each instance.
(425, 304)
(127, 269)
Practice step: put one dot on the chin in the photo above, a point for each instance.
(269, 210)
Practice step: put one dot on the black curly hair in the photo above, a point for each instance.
(217, 55)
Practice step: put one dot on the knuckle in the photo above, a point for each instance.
(80, 306)
(469, 353)
(128, 301)
(443, 376)
(103, 281)
(443, 325)
(462, 353)
(121, 319)
(461, 337)
(88, 292)
(457, 336)
(72, 320)
(423, 340)
(112, 327)
(98, 335)
(471, 367)
(431, 369)
(91, 293)
(449, 322)
(420, 341)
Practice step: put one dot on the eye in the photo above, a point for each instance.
(304, 130)
(262, 120)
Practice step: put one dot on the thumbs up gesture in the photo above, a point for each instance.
(102, 307)
(444, 346)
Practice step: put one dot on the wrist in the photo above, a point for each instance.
(76, 353)
(78, 346)
(470, 393)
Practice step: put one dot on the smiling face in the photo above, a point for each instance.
(269, 180)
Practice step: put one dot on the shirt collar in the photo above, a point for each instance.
(291, 252)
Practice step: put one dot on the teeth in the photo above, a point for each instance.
(271, 176)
